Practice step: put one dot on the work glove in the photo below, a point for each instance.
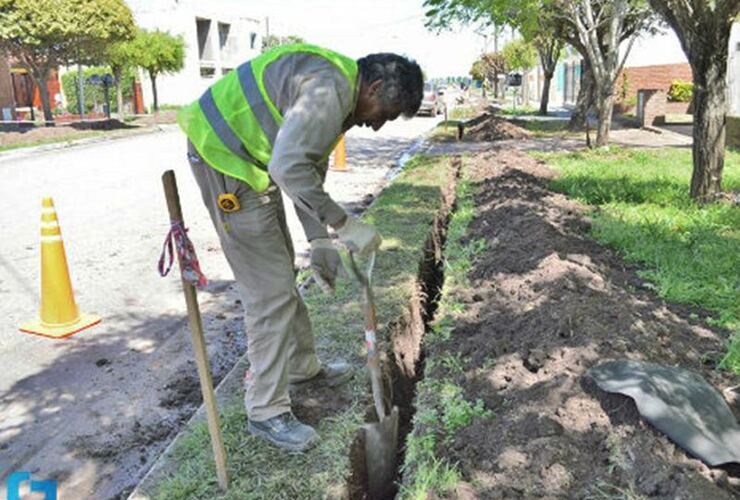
(359, 237)
(325, 263)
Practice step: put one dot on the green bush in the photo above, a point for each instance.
(94, 94)
(681, 91)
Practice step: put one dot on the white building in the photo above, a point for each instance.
(219, 36)
(733, 71)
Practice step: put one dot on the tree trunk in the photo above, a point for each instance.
(80, 91)
(545, 99)
(525, 88)
(154, 91)
(710, 108)
(117, 73)
(585, 99)
(605, 106)
(40, 80)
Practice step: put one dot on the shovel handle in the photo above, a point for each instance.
(370, 323)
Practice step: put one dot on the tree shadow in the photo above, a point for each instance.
(97, 415)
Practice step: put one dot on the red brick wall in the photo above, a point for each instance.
(651, 77)
(681, 108)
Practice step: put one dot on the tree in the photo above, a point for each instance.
(703, 29)
(586, 98)
(595, 28)
(121, 57)
(532, 18)
(548, 50)
(44, 34)
(272, 41)
(599, 28)
(488, 67)
(519, 54)
(158, 53)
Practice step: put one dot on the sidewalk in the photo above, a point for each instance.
(100, 136)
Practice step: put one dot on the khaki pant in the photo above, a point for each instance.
(258, 247)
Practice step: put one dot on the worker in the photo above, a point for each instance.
(269, 126)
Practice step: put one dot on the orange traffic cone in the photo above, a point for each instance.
(340, 156)
(60, 316)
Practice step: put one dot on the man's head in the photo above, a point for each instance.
(390, 85)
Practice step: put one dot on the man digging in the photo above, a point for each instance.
(266, 127)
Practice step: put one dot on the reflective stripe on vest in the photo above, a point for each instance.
(234, 124)
(224, 132)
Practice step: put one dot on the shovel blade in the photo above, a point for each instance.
(381, 446)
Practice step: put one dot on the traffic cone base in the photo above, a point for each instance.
(57, 331)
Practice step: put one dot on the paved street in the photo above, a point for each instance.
(93, 411)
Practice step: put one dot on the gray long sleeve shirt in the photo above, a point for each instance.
(314, 98)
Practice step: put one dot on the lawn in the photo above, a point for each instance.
(688, 253)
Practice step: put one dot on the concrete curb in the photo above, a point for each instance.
(22, 152)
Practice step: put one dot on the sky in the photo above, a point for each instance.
(356, 28)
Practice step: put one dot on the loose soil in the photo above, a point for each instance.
(545, 304)
(494, 128)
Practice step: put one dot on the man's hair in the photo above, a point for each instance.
(403, 83)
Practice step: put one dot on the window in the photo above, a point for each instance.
(223, 34)
(207, 72)
(252, 39)
(203, 27)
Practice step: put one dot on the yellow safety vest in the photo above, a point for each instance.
(233, 125)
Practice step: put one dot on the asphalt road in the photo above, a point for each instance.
(94, 410)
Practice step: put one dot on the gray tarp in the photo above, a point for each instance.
(679, 403)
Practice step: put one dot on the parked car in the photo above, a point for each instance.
(433, 102)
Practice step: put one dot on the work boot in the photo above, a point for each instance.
(330, 375)
(285, 431)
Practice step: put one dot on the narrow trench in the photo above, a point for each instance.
(404, 353)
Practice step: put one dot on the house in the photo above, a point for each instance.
(654, 62)
(219, 35)
(19, 97)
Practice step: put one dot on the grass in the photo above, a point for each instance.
(53, 140)
(520, 111)
(445, 131)
(689, 253)
(462, 113)
(441, 406)
(403, 214)
(543, 128)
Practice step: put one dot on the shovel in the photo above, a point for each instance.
(381, 438)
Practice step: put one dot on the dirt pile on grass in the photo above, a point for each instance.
(545, 303)
(494, 128)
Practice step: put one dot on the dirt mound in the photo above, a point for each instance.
(494, 128)
(545, 304)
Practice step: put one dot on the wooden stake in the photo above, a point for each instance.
(199, 343)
